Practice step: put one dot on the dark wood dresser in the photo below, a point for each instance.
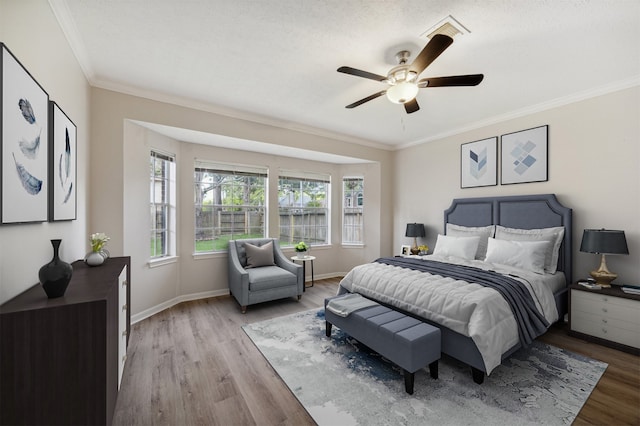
(61, 360)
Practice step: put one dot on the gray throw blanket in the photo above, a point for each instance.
(349, 303)
(531, 323)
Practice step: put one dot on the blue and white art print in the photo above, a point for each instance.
(63, 166)
(24, 155)
(524, 156)
(478, 163)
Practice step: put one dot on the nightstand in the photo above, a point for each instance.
(608, 316)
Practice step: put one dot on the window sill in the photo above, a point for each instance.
(209, 255)
(154, 263)
(353, 246)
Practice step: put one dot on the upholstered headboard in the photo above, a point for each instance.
(519, 211)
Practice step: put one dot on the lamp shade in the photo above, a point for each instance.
(604, 241)
(415, 230)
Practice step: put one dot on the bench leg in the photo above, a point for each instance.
(327, 325)
(408, 381)
(433, 369)
(478, 375)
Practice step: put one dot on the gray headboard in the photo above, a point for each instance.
(519, 211)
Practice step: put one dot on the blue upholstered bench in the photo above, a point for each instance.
(404, 340)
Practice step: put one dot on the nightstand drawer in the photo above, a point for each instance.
(615, 330)
(603, 305)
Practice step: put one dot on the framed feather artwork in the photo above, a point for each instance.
(62, 165)
(24, 157)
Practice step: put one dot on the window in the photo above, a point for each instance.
(303, 201)
(162, 204)
(352, 210)
(229, 204)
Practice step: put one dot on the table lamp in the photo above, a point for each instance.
(415, 230)
(604, 241)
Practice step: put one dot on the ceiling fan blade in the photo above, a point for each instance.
(431, 51)
(454, 80)
(367, 99)
(360, 73)
(411, 106)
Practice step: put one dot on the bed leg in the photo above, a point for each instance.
(327, 325)
(408, 381)
(478, 375)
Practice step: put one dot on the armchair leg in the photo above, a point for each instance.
(244, 309)
(299, 296)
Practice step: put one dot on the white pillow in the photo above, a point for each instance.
(554, 235)
(484, 232)
(528, 255)
(464, 247)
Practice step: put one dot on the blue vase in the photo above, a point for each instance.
(55, 275)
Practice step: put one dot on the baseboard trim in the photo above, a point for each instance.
(207, 294)
(170, 303)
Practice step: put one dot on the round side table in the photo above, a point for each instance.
(304, 261)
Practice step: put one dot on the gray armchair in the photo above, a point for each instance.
(255, 276)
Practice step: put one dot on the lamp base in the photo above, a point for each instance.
(603, 278)
(415, 250)
(603, 275)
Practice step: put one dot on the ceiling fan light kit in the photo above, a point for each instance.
(402, 92)
(403, 79)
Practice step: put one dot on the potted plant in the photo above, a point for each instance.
(98, 253)
(301, 248)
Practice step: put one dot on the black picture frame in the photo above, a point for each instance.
(63, 165)
(479, 163)
(24, 132)
(525, 156)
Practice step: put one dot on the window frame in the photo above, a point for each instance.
(304, 234)
(167, 204)
(354, 202)
(229, 210)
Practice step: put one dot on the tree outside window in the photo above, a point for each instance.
(303, 209)
(229, 204)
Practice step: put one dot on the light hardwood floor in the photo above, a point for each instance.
(193, 365)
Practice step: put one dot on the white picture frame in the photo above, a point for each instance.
(405, 250)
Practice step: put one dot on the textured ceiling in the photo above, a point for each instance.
(275, 61)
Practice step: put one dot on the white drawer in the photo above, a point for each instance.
(609, 329)
(122, 322)
(606, 306)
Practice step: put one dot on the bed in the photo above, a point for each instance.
(488, 336)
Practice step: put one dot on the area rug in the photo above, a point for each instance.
(341, 382)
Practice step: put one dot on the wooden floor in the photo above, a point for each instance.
(193, 365)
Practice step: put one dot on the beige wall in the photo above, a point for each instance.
(31, 32)
(119, 167)
(594, 168)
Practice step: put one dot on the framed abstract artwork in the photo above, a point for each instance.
(24, 157)
(62, 165)
(479, 163)
(524, 156)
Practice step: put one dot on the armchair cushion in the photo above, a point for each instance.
(269, 277)
(259, 256)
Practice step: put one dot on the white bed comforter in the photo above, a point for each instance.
(467, 308)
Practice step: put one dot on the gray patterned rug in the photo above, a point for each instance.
(341, 382)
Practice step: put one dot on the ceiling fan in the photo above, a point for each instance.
(403, 79)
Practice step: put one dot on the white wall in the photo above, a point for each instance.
(31, 32)
(119, 174)
(594, 168)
